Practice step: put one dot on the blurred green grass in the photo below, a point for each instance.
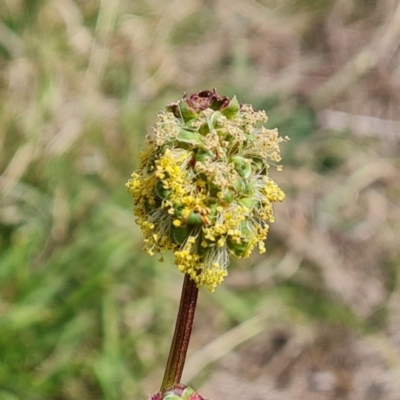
(83, 313)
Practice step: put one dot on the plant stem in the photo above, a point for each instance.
(183, 329)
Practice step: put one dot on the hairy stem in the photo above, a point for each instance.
(183, 329)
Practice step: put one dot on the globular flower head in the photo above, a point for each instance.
(177, 392)
(202, 188)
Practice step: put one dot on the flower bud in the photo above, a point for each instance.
(177, 392)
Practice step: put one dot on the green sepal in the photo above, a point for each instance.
(237, 249)
(228, 195)
(239, 185)
(148, 207)
(248, 202)
(161, 192)
(248, 190)
(213, 119)
(194, 218)
(244, 229)
(178, 208)
(171, 396)
(189, 137)
(179, 234)
(231, 109)
(204, 129)
(201, 251)
(213, 211)
(187, 393)
(242, 166)
(257, 164)
(213, 191)
(202, 155)
(182, 110)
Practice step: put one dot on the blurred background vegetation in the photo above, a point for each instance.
(84, 314)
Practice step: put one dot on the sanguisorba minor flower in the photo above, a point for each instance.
(202, 188)
(177, 392)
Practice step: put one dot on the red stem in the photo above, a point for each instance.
(183, 329)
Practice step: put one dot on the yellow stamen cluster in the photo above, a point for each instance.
(202, 188)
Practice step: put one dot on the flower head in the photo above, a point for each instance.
(202, 188)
